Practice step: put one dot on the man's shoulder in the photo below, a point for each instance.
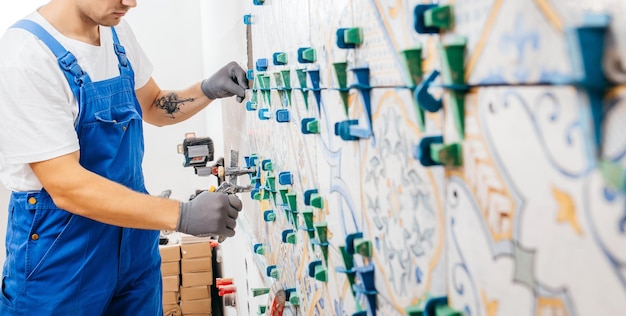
(19, 45)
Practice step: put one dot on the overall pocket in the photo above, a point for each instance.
(103, 140)
(47, 233)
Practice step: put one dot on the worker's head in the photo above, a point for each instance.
(104, 12)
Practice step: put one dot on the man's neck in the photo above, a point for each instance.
(71, 23)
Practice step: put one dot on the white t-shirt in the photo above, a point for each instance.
(38, 110)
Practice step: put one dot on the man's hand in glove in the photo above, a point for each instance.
(226, 82)
(209, 214)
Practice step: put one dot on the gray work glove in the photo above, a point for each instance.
(226, 82)
(209, 213)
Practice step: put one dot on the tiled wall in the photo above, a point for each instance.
(531, 221)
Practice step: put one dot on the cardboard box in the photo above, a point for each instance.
(196, 306)
(170, 268)
(191, 239)
(196, 250)
(171, 283)
(169, 253)
(195, 292)
(170, 298)
(197, 278)
(196, 264)
(171, 310)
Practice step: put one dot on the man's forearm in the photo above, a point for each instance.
(85, 193)
(171, 107)
(108, 202)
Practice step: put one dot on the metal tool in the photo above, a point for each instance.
(198, 152)
(232, 172)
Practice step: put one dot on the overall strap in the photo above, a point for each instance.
(124, 64)
(75, 75)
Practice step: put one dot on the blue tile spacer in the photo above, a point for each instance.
(256, 247)
(250, 74)
(251, 160)
(423, 150)
(360, 132)
(258, 2)
(432, 303)
(350, 242)
(285, 233)
(304, 125)
(368, 282)
(266, 164)
(269, 269)
(275, 59)
(251, 106)
(247, 19)
(368, 286)
(418, 15)
(314, 75)
(282, 116)
(306, 229)
(301, 58)
(586, 49)
(264, 114)
(342, 129)
(349, 130)
(312, 265)
(344, 270)
(261, 64)
(257, 183)
(307, 196)
(362, 75)
(289, 291)
(285, 178)
(424, 98)
(317, 242)
(269, 216)
(341, 42)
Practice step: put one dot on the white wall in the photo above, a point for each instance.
(224, 38)
(170, 33)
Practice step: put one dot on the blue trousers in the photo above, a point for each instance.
(63, 264)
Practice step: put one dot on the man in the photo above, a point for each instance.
(82, 235)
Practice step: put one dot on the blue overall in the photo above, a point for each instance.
(59, 263)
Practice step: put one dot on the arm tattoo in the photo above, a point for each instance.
(171, 103)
